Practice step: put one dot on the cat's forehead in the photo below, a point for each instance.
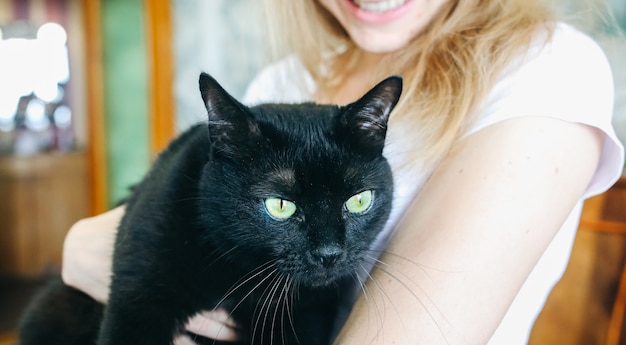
(301, 150)
(293, 116)
(323, 172)
(283, 175)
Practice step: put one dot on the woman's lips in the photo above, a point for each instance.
(377, 12)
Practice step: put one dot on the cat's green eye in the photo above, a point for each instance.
(360, 203)
(280, 208)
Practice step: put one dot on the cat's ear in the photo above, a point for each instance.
(366, 119)
(229, 121)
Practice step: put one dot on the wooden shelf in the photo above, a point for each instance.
(40, 198)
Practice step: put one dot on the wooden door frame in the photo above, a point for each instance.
(157, 15)
(159, 33)
(96, 126)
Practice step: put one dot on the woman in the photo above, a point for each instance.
(504, 128)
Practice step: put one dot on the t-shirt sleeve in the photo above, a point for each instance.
(569, 78)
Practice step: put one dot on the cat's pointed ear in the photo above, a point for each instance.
(366, 119)
(229, 121)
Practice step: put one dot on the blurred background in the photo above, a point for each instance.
(92, 90)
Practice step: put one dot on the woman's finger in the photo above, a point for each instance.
(215, 324)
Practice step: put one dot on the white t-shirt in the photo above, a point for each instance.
(568, 79)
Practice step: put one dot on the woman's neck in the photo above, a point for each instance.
(361, 77)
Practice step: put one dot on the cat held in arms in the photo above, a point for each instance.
(267, 212)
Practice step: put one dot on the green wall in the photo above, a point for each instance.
(125, 95)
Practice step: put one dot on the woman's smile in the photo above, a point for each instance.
(379, 26)
(378, 6)
(378, 12)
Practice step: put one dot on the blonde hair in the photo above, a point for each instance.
(448, 70)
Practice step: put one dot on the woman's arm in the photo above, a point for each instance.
(88, 253)
(474, 233)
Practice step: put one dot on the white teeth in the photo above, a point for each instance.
(379, 6)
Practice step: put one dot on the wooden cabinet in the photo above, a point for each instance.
(40, 198)
(589, 303)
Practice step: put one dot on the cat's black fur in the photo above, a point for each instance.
(196, 234)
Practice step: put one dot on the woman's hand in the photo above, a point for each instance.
(215, 324)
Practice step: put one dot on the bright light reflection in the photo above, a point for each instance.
(49, 92)
(33, 66)
(19, 63)
(62, 117)
(8, 108)
(52, 33)
(36, 118)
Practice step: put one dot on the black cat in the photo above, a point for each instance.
(267, 212)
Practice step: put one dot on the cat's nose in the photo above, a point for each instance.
(327, 255)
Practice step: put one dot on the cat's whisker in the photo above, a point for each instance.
(275, 301)
(195, 198)
(294, 290)
(260, 305)
(223, 254)
(387, 269)
(263, 311)
(190, 178)
(283, 282)
(403, 259)
(260, 270)
(279, 302)
(386, 296)
(247, 278)
(379, 320)
(285, 305)
(265, 308)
